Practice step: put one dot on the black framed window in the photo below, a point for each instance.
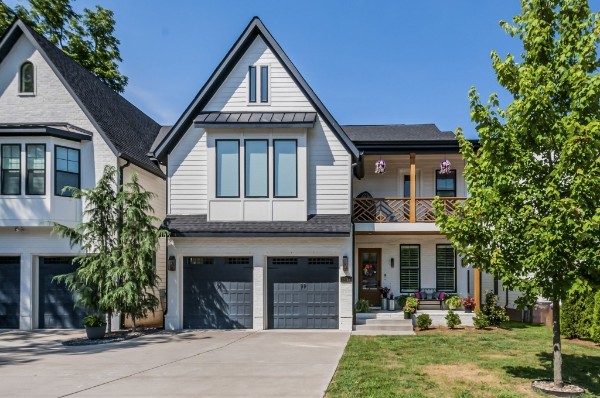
(410, 268)
(256, 168)
(407, 186)
(228, 168)
(285, 164)
(11, 169)
(252, 84)
(264, 83)
(66, 170)
(445, 184)
(445, 268)
(35, 182)
(26, 78)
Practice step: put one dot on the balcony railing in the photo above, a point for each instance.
(392, 210)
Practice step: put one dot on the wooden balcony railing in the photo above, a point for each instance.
(391, 210)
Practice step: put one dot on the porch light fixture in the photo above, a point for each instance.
(345, 263)
(172, 263)
(392, 262)
(162, 293)
(445, 167)
(380, 166)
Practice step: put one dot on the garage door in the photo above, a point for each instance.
(303, 292)
(217, 292)
(10, 292)
(56, 304)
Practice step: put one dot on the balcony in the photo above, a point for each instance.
(399, 210)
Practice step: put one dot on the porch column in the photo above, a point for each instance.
(413, 189)
(477, 292)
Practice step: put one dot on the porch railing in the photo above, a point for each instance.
(392, 210)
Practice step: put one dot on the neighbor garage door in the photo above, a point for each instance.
(217, 292)
(303, 292)
(56, 304)
(10, 292)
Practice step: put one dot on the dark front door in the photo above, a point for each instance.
(57, 308)
(303, 292)
(369, 271)
(10, 292)
(217, 292)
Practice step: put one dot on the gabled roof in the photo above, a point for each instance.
(254, 29)
(128, 131)
(397, 132)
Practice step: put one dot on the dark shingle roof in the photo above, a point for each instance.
(129, 131)
(255, 119)
(397, 132)
(316, 225)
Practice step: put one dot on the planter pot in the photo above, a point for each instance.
(468, 310)
(392, 305)
(95, 332)
(407, 315)
(384, 304)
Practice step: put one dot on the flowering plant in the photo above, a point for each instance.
(384, 291)
(391, 296)
(368, 269)
(468, 302)
(445, 167)
(380, 167)
(409, 309)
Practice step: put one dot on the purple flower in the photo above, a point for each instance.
(445, 167)
(380, 167)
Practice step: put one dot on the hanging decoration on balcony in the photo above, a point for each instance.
(380, 166)
(445, 167)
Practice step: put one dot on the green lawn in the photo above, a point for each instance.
(495, 363)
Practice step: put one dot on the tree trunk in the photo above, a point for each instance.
(558, 380)
(133, 322)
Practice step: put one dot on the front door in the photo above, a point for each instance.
(369, 271)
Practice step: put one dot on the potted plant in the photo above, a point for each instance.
(392, 303)
(468, 303)
(384, 300)
(410, 307)
(453, 302)
(95, 326)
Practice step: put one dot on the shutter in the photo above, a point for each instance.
(409, 268)
(445, 266)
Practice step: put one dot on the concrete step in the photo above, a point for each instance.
(382, 333)
(402, 328)
(381, 315)
(384, 322)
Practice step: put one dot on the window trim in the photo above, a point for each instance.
(250, 90)
(217, 168)
(27, 171)
(418, 245)
(455, 267)
(56, 171)
(275, 168)
(453, 173)
(33, 72)
(267, 83)
(246, 168)
(2, 170)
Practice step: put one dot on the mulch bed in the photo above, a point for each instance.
(112, 337)
(547, 387)
(459, 329)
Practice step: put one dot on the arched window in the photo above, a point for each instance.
(27, 78)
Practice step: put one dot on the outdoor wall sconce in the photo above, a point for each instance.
(392, 262)
(345, 263)
(162, 294)
(172, 263)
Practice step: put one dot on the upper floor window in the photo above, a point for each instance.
(256, 80)
(36, 169)
(286, 168)
(256, 168)
(66, 170)
(445, 184)
(228, 168)
(11, 169)
(26, 78)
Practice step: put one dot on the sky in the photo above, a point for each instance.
(370, 62)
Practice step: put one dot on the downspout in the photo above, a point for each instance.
(119, 190)
(166, 310)
(354, 166)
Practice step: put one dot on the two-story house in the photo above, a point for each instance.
(59, 126)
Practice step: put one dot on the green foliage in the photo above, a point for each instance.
(401, 301)
(596, 320)
(424, 321)
(452, 319)
(363, 306)
(412, 302)
(454, 302)
(576, 315)
(87, 37)
(495, 314)
(481, 321)
(93, 321)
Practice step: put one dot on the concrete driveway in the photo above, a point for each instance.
(189, 363)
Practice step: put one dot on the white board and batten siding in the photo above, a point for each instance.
(324, 168)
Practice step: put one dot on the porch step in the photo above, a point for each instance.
(382, 333)
(384, 322)
(397, 328)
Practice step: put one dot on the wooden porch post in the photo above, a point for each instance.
(413, 188)
(477, 280)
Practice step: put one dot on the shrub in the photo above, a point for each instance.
(412, 302)
(481, 321)
(596, 320)
(495, 314)
(452, 319)
(577, 313)
(93, 321)
(453, 302)
(401, 300)
(423, 321)
(363, 306)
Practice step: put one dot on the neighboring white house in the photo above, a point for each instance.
(59, 126)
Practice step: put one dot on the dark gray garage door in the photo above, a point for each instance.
(217, 292)
(10, 292)
(57, 305)
(303, 292)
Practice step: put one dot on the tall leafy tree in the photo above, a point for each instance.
(533, 217)
(87, 37)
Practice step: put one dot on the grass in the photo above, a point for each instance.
(461, 364)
